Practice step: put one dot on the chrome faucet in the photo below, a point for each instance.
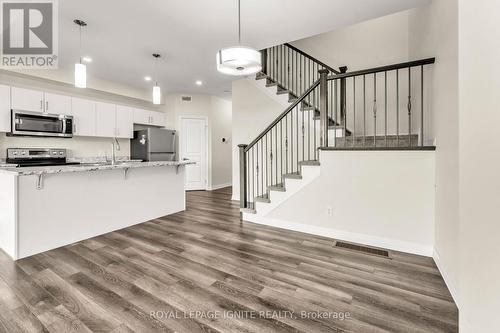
(115, 146)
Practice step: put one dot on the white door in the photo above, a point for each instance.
(124, 122)
(4, 108)
(193, 146)
(27, 99)
(105, 119)
(58, 104)
(83, 111)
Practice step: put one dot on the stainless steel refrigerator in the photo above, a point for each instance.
(153, 144)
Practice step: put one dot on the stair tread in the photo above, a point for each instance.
(294, 175)
(278, 187)
(309, 162)
(248, 210)
(262, 198)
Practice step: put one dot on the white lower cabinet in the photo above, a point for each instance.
(124, 122)
(84, 117)
(4, 108)
(105, 119)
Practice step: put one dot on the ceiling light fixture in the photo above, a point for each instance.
(156, 88)
(80, 69)
(239, 60)
(147, 78)
(87, 59)
(199, 83)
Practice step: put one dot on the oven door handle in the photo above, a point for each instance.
(65, 125)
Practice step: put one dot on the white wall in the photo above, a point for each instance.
(382, 199)
(253, 111)
(219, 114)
(372, 43)
(479, 165)
(433, 31)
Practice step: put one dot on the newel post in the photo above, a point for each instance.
(342, 96)
(323, 107)
(243, 178)
(264, 60)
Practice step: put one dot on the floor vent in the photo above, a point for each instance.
(364, 249)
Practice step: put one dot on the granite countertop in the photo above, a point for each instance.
(86, 167)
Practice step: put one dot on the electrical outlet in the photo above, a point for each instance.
(329, 211)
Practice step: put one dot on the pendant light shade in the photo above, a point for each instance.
(80, 69)
(239, 60)
(156, 88)
(156, 95)
(80, 76)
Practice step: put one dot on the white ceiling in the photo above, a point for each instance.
(122, 34)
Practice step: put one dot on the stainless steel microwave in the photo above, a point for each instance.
(29, 123)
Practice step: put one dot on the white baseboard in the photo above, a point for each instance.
(446, 277)
(386, 243)
(218, 187)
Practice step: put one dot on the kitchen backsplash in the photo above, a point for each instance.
(78, 147)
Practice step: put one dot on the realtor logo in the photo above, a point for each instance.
(29, 34)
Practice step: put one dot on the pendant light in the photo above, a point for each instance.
(80, 68)
(239, 60)
(156, 88)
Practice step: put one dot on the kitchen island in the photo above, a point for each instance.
(42, 208)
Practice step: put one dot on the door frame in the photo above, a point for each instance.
(181, 152)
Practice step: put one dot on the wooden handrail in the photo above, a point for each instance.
(283, 115)
(312, 58)
(374, 70)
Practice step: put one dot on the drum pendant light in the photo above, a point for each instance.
(239, 60)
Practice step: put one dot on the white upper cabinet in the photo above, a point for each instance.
(105, 119)
(58, 104)
(84, 116)
(27, 99)
(124, 122)
(4, 108)
(142, 117)
(145, 117)
(157, 118)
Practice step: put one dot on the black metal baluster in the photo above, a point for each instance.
(314, 123)
(257, 169)
(353, 134)
(375, 110)
(422, 106)
(277, 156)
(297, 134)
(253, 179)
(262, 166)
(409, 106)
(281, 149)
(397, 107)
(364, 110)
(385, 108)
(267, 167)
(286, 142)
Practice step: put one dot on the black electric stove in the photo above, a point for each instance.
(33, 157)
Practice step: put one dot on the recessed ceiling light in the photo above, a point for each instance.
(199, 83)
(147, 78)
(87, 59)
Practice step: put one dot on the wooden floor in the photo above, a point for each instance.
(203, 270)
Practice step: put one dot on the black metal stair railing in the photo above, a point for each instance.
(277, 153)
(383, 108)
(291, 69)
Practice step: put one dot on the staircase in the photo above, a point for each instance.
(326, 109)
